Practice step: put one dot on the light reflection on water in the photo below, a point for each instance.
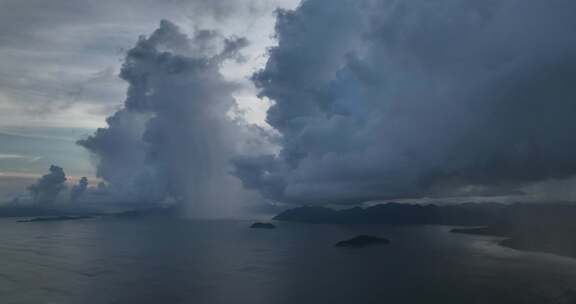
(185, 261)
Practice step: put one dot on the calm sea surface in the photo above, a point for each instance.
(188, 261)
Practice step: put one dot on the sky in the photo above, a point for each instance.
(225, 105)
(60, 62)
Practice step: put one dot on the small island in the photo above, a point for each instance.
(362, 241)
(263, 225)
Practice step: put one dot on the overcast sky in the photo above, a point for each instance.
(322, 102)
(59, 65)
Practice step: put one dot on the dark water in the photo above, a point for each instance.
(185, 261)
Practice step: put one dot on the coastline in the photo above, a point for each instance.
(512, 240)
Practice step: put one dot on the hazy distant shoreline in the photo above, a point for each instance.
(562, 244)
(547, 228)
(543, 228)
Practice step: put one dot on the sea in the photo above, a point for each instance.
(164, 261)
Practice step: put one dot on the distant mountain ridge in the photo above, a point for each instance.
(466, 214)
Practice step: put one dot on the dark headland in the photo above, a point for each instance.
(263, 225)
(549, 228)
(541, 228)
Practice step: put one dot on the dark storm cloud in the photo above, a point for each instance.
(173, 138)
(79, 189)
(47, 188)
(406, 99)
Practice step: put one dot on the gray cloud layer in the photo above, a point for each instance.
(403, 99)
(58, 58)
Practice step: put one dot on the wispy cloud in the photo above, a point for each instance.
(12, 156)
(17, 175)
(29, 158)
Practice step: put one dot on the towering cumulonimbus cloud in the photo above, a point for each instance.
(47, 187)
(79, 189)
(408, 99)
(174, 136)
